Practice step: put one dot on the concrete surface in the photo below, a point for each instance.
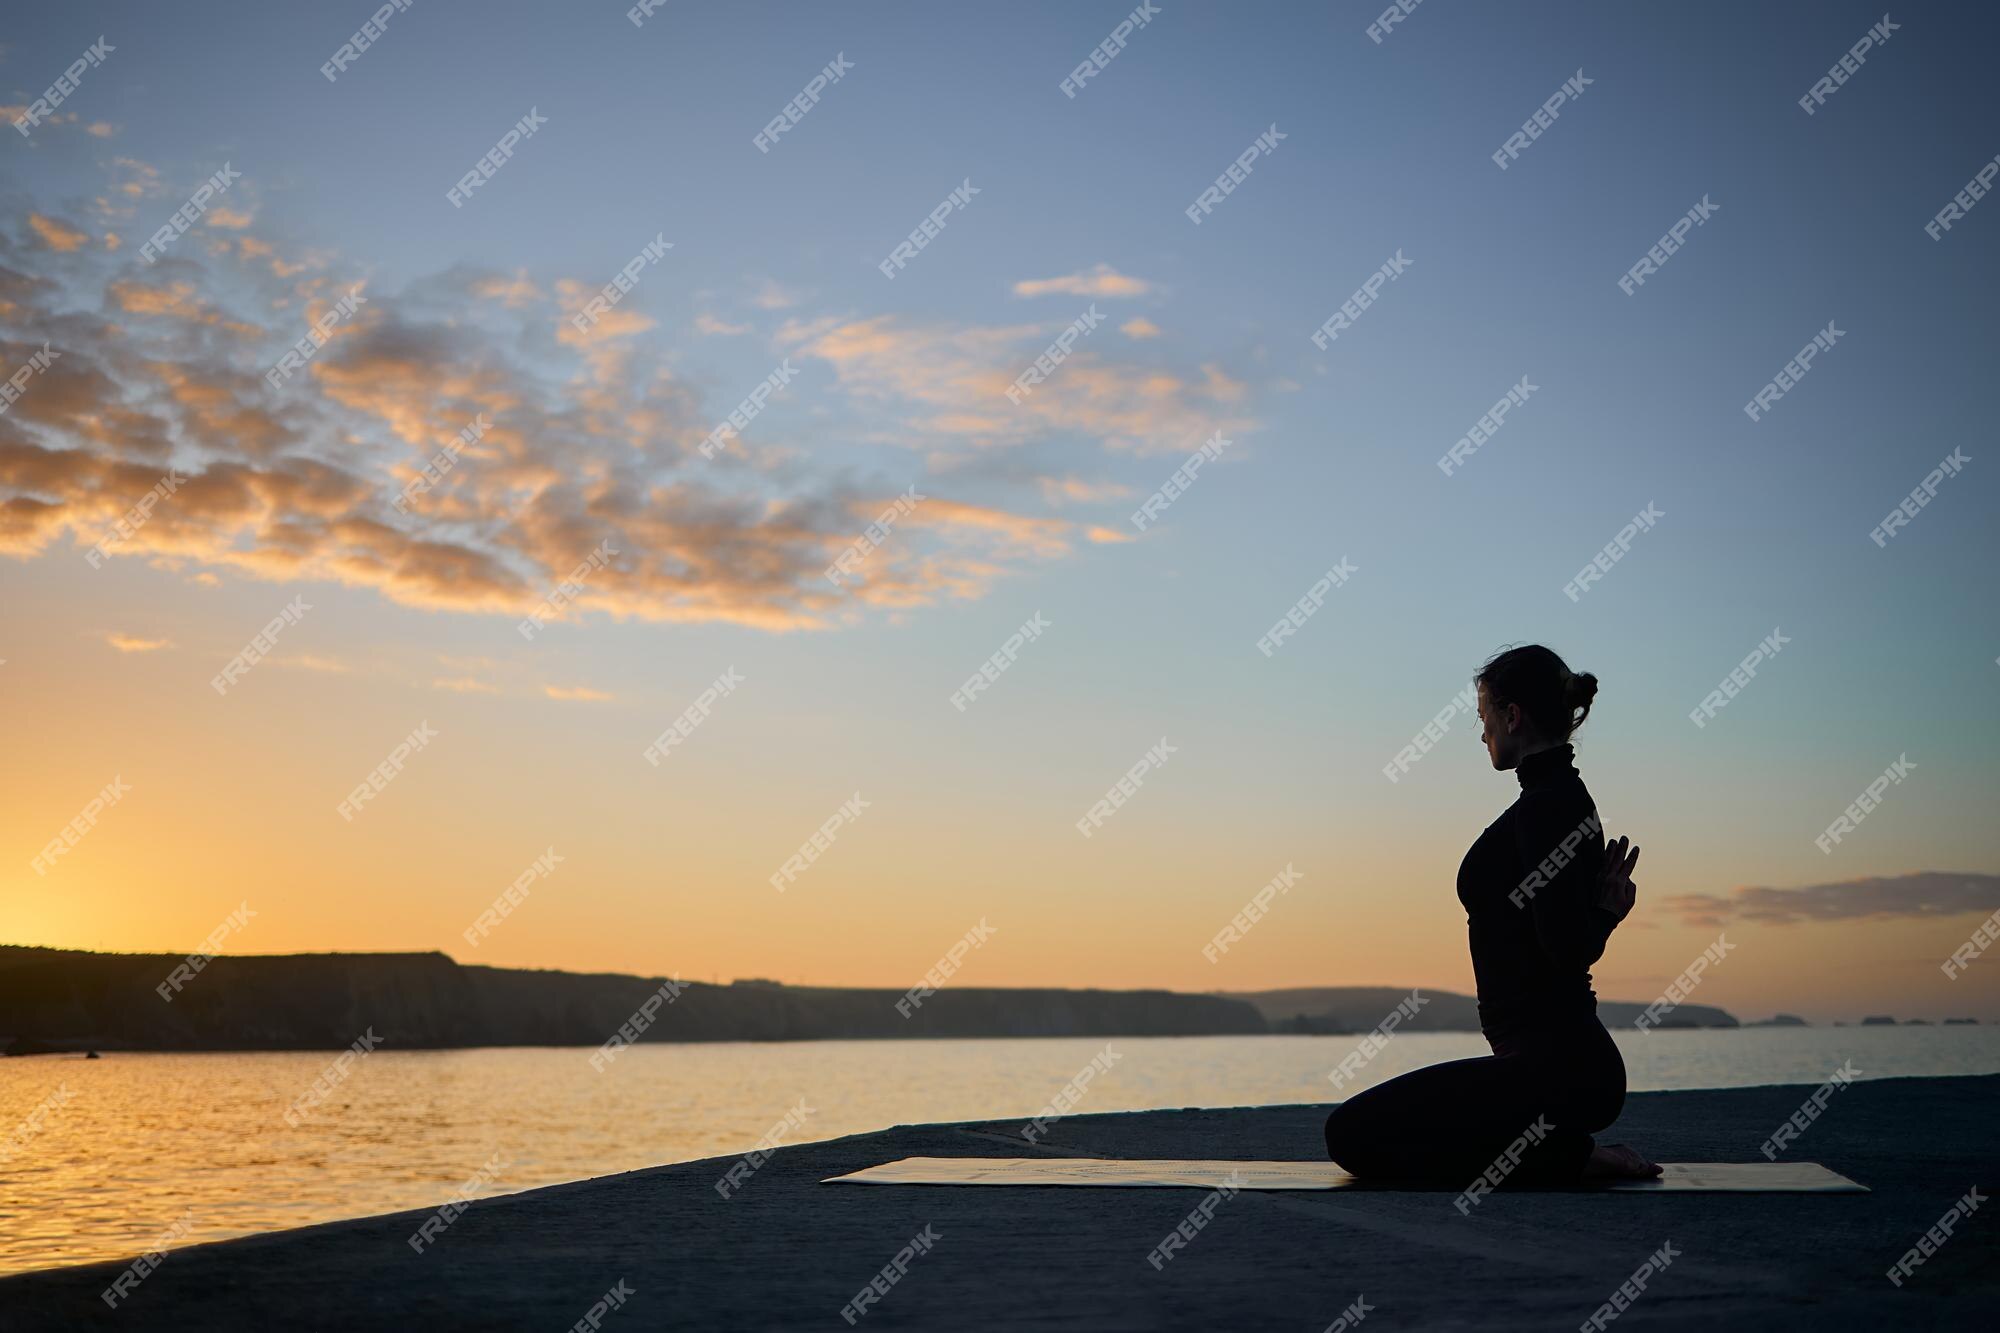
(788, 1252)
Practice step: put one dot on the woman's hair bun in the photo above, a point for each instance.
(1578, 691)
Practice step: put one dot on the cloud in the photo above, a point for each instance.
(465, 685)
(173, 301)
(1035, 536)
(1075, 490)
(127, 643)
(607, 326)
(162, 374)
(771, 296)
(57, 234)
(581, 693)
(1924, 893)
(234, 219)
(101, 129)
(1103, 280)
(307, 662)
(514, 291)
(140, 180)
(709, 324)
(1103, 536)
(952, 382)
(1139, 327)
(972, 545)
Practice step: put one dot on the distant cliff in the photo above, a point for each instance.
(308, 1001)
(1361, 1008)
(69, 999)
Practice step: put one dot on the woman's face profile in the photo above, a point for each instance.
(1500, 743)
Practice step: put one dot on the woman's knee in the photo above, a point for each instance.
(1344, 1138)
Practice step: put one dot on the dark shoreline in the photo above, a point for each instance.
(80, 1052)
(74, 1000)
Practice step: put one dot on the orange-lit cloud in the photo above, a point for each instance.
(129, 643)
(1075, 490)
(173, 301)
(57, 234)
(578, 693)
(953, 383)
(514, 291)
(1103, 280)
(140, 180)
(772, 296)
(621, 321)
(587, 439)
(1139, 327)
(1921, 893)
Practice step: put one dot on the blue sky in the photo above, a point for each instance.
(1387, 151)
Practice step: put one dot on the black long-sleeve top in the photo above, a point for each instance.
(1531, 907)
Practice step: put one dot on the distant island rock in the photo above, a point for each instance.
(1779, 1021)
(1336, 1010)
(29, 1046)
(62, 999)
(1878, 1021)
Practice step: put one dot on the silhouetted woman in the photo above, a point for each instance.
(1541, 896)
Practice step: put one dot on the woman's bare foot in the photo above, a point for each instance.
(1615, 1161)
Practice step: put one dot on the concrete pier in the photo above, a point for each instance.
(785, 1251)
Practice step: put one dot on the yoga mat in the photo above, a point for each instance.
(1725, 1177)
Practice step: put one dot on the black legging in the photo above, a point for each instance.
(1448, 1123)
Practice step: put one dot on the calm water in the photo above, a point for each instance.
(144, 1141)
